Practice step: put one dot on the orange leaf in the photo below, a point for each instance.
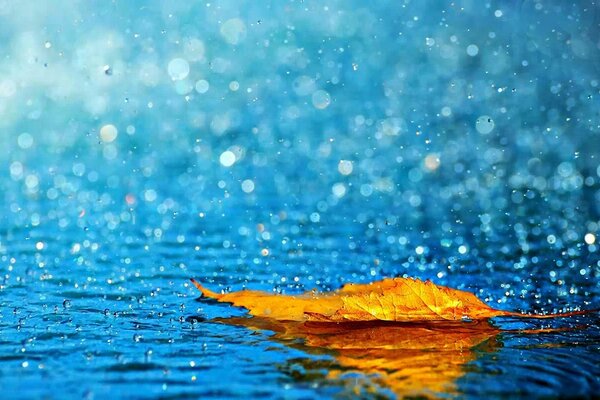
(394, 299)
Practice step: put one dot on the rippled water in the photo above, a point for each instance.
(291, 146)
(87, 313)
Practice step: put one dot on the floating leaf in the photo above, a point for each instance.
(394, 299)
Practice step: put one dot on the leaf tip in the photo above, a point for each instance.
(205, 292)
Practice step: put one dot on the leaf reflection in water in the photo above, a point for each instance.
(409, 359)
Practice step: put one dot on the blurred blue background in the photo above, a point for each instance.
(286, 146)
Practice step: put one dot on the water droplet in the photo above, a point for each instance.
(590, 238)
(108, 133)
(247, 186)
(227, 158)
(321, 99)
(25, 140)
(202, 86)
(472, 50)
(178, 69)
(345, 167)
(484, 124)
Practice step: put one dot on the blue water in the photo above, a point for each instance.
(290, 146)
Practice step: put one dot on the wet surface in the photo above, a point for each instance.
(121, 318)
(287, 147)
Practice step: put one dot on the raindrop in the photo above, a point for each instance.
(202, 86)
(178, 69)
(472, 50)
(484, 124)
(321, 99)
(227, 158)
(108, 133)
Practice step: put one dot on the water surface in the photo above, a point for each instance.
(290, 146)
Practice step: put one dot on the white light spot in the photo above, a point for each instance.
(462, 249)
(234, 86)
(150, 195)
(227, 158)
(345, 167)
(446, 111)
(32, 181)
(321, 99)
(429, 41)
(178, 69)
(338, 190)
(248, 186)
(39, 246)
(202, 86)
(590, 238)
(16, 170)
(432, 162)
(472, 50)
(108, 133)
(25, 140)
(498, 13)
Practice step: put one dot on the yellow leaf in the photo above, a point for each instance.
(394, 299)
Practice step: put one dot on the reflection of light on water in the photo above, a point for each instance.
(408, 359)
